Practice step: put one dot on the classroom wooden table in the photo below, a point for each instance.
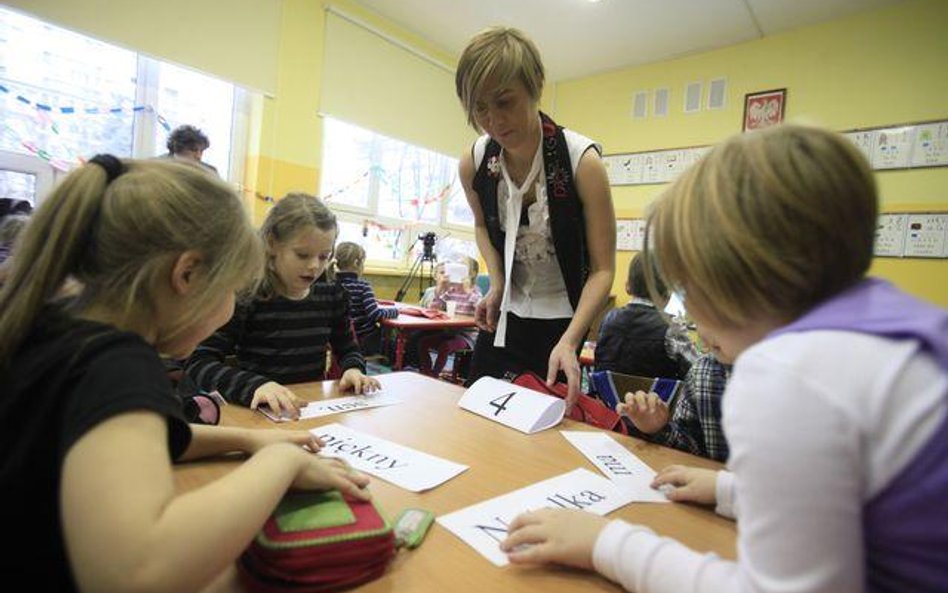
(404, 324)
(501, 460)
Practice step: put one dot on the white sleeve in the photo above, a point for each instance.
(795, 454)
(725, 496)
(640, 561)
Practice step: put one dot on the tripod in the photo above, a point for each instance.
(418, 269)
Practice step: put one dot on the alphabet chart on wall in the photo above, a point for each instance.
(903, 146)
(630, 234)
(916, 234)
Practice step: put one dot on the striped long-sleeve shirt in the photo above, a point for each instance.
(278, 340)
(364, 308)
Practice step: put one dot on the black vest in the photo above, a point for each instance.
(567, 223)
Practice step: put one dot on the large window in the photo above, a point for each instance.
(65, 97)
(388, 192)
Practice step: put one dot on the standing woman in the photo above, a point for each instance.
(543, 215)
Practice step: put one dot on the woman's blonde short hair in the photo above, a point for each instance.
(768, 224)
(497, 55)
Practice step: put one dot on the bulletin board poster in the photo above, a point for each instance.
(865, 141)
(630, 234)
(893, 148)
(926, 235)
(890, 235)
(931, 145)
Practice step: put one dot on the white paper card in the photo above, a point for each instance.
(620, 465)
(484, 525)
(517, 407)
(336, 405)
(403, 466)
(350, 403)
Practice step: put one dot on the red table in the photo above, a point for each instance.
(405, 324)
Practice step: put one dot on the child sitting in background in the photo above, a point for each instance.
(837, 410)
(463, 291)
(363, 307)
(637, 339)
(441, 284)
(695, 426)
(280, 335)
(462, 295)
(90, 423)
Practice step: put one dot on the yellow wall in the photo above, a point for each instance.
(287, 153)
(877, 68)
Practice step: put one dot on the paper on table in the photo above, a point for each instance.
(517, 407)
(336, 405)
(403, 466)
(620, 465)
(484, 525)
(351, 403)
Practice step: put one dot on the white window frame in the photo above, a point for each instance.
(46, 176)
(359, 214)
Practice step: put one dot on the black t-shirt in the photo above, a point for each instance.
(68, 376)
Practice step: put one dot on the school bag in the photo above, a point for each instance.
(318, 542)
(587, 409)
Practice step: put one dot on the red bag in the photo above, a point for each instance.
(588, 410)
(316, 542)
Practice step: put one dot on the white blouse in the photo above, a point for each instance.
(537, 288)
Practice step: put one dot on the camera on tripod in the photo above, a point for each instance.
(428, 242)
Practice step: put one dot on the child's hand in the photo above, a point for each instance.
(691, 484)
(280, 400)
(553, 535)
(488, 309)
(647, 411)
(320, 473)
(261, 437)
(354, 379)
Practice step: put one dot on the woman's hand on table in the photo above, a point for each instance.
(356, 381)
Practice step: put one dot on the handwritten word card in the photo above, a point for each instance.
(484, 525)
(336, 405)
(403, 466)
(351, 403)
(620, 465)
(518, 407)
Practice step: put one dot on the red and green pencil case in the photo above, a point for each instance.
(318, 541)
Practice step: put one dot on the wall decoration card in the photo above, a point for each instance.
(926, 235)
(624, 234)
(652, 168)
(674, 164)
(634, 166)
(630, 234)
(614, 169)
(865, 141)
(890, 235)
(893, 148)
(931, 145)
(693, 155)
